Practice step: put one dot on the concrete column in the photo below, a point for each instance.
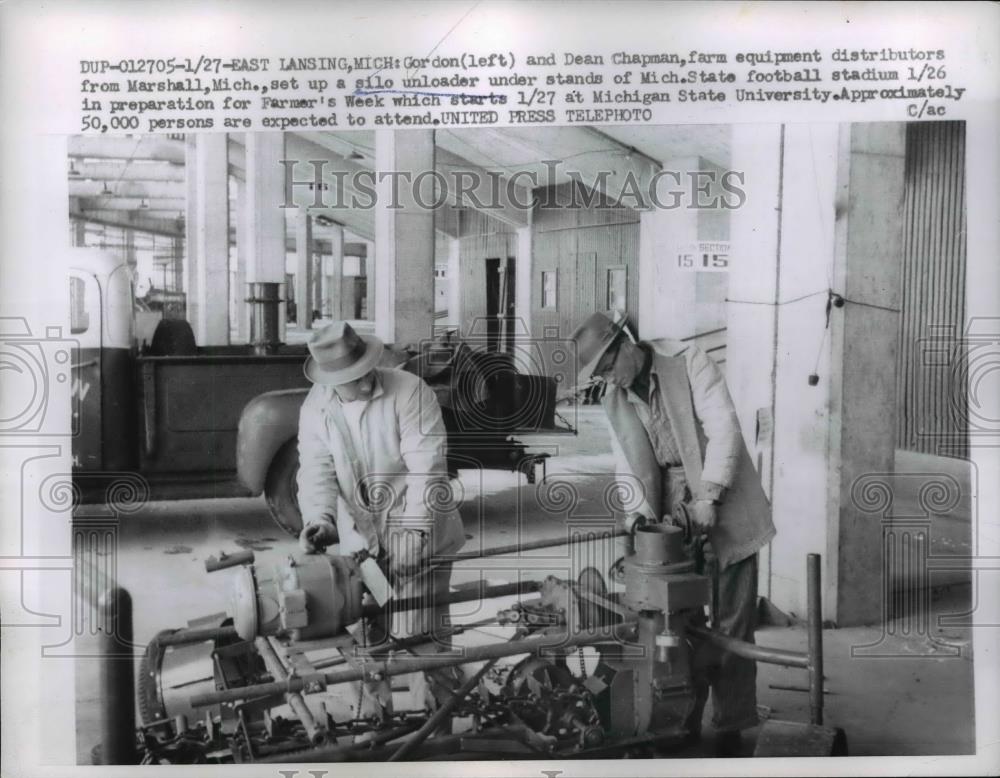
(662, 234)
(455, 283)
(751, 316)
(523, 279)
(242, 312)
(79, 232)
(191, 259)
(823, 213)
(868, 258)
(335, 277)
(368, 271)
(319, 284)
(265, 218)
(303, 269)
(207, 238)
(404, 248)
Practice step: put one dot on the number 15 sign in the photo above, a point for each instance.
(704, 256)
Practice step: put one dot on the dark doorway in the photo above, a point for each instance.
(500, 304)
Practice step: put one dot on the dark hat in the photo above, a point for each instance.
(340, 355)
(593, 338)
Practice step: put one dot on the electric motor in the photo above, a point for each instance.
(313, 597)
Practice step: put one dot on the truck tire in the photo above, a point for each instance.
(281, 490)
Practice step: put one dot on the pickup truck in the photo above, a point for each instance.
(220, 421)
(165, 408)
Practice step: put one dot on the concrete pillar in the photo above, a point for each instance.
(319, 283)
(368, 271)
(207, 238)
(79, 232)
(265, 218)
(241, 323)
(303, 269)
(868, 258)
(523, 279)
(455, 283)
(404, 248)
(824, 214)
(663, 233)
(751, 316)
(335, 276)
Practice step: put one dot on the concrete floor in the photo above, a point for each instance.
(920, 702)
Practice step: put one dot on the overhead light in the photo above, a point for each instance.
(355, 155)
(106, 190)
(73, 172)
(143, 204)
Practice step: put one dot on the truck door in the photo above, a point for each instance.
(85, 329)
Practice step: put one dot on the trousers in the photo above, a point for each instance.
(731, 680)
(430, 620)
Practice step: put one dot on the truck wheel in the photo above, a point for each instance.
(281, 489)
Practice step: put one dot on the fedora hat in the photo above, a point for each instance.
(593, 338)
(338, 355)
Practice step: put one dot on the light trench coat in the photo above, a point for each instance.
(401, 461)
(704, 426)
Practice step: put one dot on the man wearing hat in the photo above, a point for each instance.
(372, 471)
(674, 428)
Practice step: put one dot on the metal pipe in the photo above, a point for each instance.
(439, 715)
(117, 682)
(772, 656)
(229, 560)
(265, 302)
(514, 548)
(182, 636)
(377, 670)
(274, 666)
(814, 612)
(334, 753)
(484, 593)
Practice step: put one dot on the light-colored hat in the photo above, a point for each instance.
(593, 338)
(340, 355)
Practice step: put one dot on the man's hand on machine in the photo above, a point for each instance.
(633, 521)
(317, 535)
(703, 515)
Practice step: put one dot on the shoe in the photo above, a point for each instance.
(728, 743)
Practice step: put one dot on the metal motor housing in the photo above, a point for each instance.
(312, 597)
(659, 574)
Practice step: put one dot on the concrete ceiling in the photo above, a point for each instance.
(139, 182)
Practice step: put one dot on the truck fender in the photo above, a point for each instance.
(268, 422)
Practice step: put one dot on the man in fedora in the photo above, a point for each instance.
(674, 428)
(372, 472)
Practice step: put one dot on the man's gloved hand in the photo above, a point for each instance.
(409, 551)
(317, 535)
(703, 514)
